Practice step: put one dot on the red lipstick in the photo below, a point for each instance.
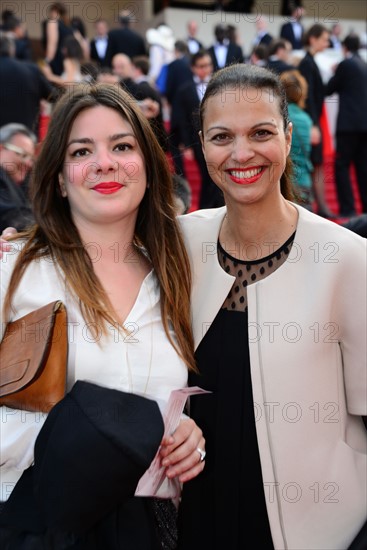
(108, 187)
(245, 176)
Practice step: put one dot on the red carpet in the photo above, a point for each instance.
(330, 191)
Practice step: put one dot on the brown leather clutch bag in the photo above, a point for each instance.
(33, 359)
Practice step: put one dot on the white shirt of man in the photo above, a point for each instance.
(101, 46)
(221, 53)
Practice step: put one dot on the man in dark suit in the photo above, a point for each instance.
(350, 83)
(99, 44)
(22, 87)
(178, 72)
(185, 111)
(224, 52)
(193, 44)
(293, 30)
(278, 57)
(124, 40)
(16, 29)
(262, 35)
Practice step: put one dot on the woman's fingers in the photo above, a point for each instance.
(180, 453)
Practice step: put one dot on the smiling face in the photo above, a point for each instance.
(245, 145)
(103, 175)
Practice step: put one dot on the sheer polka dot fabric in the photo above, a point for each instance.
(249, 272)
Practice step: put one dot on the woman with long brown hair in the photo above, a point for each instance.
(106, 243)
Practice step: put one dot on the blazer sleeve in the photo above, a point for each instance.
(352, 313)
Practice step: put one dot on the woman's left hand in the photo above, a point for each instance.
(179, 452)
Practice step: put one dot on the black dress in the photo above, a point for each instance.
(57, 63)
(224, 507)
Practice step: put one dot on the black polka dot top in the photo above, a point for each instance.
(249, 272)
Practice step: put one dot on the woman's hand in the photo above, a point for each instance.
(180, 454)
(315, 135)
(4, 245)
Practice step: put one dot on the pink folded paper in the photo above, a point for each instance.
(154, 482)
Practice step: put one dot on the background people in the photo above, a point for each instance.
(185, 114)
(278, 56)
(23, 86)
(262, 35)
(316, 41)
(17, 154)
(178, 73)
(16, 29)
(99, 44)
(55, 29)
(161, 52)
(72, 64)
(224, 51)
(296, 91)
(124, 39)
(293, 30)
(350, 83)
(193, 44)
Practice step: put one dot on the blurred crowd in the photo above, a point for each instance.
(168, 76)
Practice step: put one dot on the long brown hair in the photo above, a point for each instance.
(55, 234)
(241, 76)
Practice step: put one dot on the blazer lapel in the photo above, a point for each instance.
(211, 284)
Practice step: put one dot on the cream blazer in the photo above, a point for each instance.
(307, 332)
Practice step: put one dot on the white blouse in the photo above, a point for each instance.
(141, 361)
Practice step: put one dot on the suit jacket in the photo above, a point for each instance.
(125, 41)
(302, 357)
(185, 109)
(350, 82)
(185, 120)
(22, 87)
(234, 55)
(178, 72)
(23, 49)
(199, 45)
(316, 89)
(102, 61)
(287, 33)
(15, 209)
(265, 39)
(279, 66)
